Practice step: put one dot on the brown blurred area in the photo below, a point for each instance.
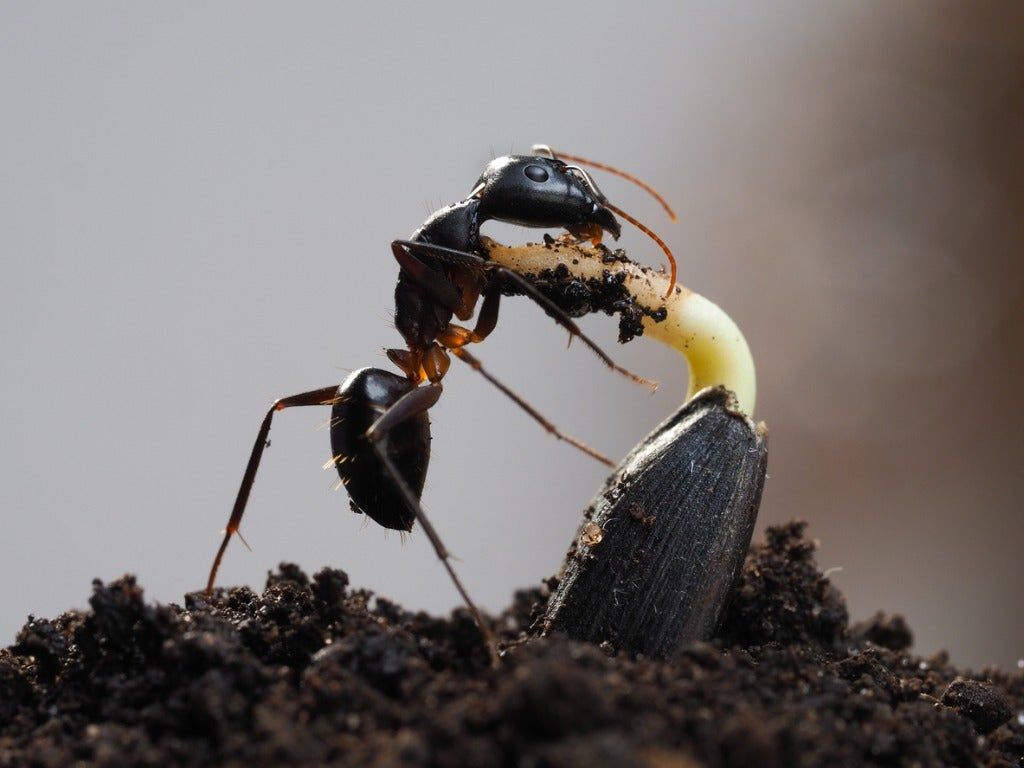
(888, 287)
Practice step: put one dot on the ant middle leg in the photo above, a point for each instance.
(455, 338)
(325, 396)
(467, 260)
(549, 426)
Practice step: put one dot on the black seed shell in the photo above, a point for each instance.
(661, 545)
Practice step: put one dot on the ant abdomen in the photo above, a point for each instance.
(362, 398)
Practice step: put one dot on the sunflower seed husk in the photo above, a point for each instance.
(661, 546)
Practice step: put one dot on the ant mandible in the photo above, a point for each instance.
(380, 432)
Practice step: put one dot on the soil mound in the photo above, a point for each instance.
(313, 672)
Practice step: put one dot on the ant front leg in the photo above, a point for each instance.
(434, 283)
(410, 405)
(455, 336)
(325, 396)
(471, 261)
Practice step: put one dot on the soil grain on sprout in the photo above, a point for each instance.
(314, 672)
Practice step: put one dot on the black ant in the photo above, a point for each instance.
(380, 432)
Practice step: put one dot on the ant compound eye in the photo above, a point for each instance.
(535, 173)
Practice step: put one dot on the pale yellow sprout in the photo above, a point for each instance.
(711, 342)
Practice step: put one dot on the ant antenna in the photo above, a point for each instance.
(546, 151)
(655, 238)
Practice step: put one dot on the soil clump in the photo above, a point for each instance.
(314, 672)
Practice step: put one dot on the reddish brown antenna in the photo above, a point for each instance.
(655, 238)
(544, 149)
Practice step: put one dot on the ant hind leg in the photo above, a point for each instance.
(325, 396)
(412, 404)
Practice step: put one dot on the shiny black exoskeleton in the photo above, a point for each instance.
(526, 190)
(380, 431)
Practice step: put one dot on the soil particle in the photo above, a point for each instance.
(607, 294)
(885, 629)
(985, 705)
(783, 598)
(313, 672)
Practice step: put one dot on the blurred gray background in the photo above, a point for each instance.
(196, 202)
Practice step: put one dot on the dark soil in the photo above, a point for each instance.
(313, 672)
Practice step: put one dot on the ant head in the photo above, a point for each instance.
(543, 192)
